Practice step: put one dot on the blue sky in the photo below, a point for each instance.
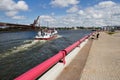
(61, 12)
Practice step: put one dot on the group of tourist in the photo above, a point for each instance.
(95, 35)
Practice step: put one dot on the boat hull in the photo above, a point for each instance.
(49, 38)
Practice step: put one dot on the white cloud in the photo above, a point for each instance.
(63, 3)
(81, 12)
(107, 4)
(21, 5)
(102, 14)
(73, 9)
(7, 5)
(11, 8)
(97, 15)
(18, 17)
(11, 13)
(47, 18)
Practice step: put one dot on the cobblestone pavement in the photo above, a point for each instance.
(103, 62)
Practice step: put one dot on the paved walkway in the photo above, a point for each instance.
(103, 62)
(74, 69)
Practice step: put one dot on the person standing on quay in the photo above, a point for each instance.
(97, 35)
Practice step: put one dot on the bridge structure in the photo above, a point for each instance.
(34, 25)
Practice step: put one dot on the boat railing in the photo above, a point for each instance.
(37, 71)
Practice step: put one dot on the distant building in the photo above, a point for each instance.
(117, 27)
(75, 28)
(110, 28)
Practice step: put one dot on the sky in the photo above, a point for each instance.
(61, 13)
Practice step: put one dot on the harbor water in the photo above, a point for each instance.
(19, 51)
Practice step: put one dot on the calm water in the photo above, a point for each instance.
(19, 51)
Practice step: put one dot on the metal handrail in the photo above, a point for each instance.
(37, 71)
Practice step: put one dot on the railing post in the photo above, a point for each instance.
(64, 52)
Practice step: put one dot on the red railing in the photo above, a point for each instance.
(37, 71)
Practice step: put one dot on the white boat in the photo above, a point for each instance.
(46, 35)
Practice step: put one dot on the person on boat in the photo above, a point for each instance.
(42, 32)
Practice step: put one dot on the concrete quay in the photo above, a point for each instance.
(97, 61)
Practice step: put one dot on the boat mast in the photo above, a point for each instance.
(47, 24)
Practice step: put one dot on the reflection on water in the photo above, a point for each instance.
(19, 52)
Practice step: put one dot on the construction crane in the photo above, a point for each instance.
(36, 22)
